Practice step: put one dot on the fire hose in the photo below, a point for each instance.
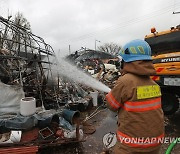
(171, 146)
(94, 113)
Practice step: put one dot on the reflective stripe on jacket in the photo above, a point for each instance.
(112, 101)
(139, 106)
(143, 105)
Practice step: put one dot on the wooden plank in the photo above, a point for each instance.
(19, 150)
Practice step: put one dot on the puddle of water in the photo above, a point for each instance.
(94, 143)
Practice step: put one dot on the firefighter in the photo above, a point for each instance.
(137, 100)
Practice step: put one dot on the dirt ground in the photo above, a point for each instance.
(172, 128)
(104, 123)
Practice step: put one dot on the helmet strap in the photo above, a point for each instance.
(122, 64)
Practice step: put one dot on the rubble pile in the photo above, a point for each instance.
(37, 108)
(106, 72)
(32, 106)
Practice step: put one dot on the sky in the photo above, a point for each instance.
(86, 23)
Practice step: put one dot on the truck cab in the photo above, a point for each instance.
(165, 47)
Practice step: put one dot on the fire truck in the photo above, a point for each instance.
(165, 47)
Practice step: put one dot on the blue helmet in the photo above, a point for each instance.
(136, 50)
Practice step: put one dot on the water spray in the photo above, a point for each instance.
(71, 72)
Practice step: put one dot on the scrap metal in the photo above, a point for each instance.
(26, 60)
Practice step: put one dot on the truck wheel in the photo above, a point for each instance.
(170, 103)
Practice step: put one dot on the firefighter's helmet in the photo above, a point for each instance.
(136, 50)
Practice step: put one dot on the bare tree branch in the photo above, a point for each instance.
(111, 48)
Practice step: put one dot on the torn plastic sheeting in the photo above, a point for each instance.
(3, 119)
(10, 97)
(14, 137)
(21, 123)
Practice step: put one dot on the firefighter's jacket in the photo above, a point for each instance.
(137, 99)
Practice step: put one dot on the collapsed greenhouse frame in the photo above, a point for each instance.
(27, 53)
(26, 62)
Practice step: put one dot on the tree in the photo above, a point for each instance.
(21, 36)
(111, 48)
(21, 21)
(15, 36)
